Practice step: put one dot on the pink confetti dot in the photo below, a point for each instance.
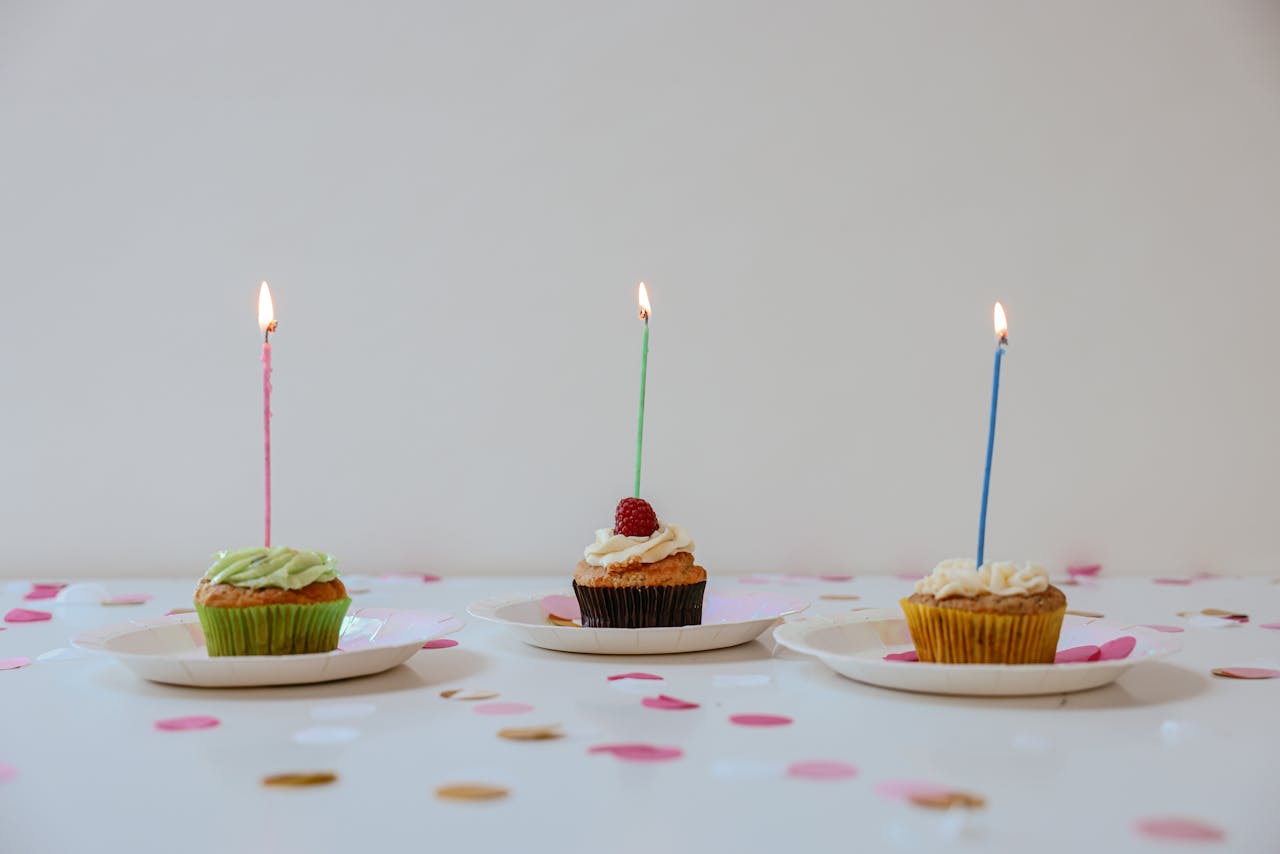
(43, 591)
(1115, 650)
(615, 677)
(428, 578)
(836, 577)
(1187, 829)
(1179, 581)
(662, 701)
(1086, 570)
(1077, 654)
(440, 643)
(909, 655)
(760, 720)
(7, 772)
(1269, 626)
(13, 663)
(22, 615)
(189, 722)
(822, 769)
(639, 752)
(502, 708)
(901, 790)
(1249, 672)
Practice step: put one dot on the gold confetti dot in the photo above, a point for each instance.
(468, 694)
(947, 800)
(839, 597)
(556, 620)
(312, 778)
(471, 792)
(531, 733)
(1093, 614)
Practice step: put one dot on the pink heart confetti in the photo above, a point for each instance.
(13, 663)
(562, 606)
(22, 615)
(1114, 650)
(1180, 581)
(1269, 626)
(440, 643)
(615, 677)
(1247, 672)
(428, 578)
(760, 720)
(836, 577)
(128, 599)
(909, 655)
(7, 772)
(1187, 829)
(1160, 628)
(639, 752)
(502, 708)
(1084, 570)
(189, 722)
(1077, 653)
(822, 769)
(901, 790)
(43, 591)
(662, 701)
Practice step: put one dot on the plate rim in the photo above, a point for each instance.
(486, 609)
(91, 640)
(791, 633)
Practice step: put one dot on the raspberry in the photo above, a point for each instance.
(634, 518)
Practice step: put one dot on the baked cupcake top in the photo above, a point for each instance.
(962, 577)
(279, 566)
(637, 536)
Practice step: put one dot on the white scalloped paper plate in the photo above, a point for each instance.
(854, 645)
(729, 619)
(172, 649)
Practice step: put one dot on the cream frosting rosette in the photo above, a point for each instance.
(961, 577)
(610, 548)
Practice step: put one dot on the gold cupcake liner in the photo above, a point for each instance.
(951, 636)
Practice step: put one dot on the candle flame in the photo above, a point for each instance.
(645, 308)
(1002, 324)
(266, 310)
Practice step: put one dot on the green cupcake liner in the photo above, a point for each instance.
(272, 629)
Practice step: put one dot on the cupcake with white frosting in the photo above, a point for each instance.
(999, 613)
(640, 573)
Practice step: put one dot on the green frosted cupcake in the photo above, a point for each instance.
(271, 601)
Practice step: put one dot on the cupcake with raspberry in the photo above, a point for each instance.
(640, 573)
(1000, 613)
(271, 601)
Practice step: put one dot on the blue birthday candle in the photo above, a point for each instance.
(1002, 344)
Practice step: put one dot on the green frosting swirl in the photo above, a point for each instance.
(279, 566)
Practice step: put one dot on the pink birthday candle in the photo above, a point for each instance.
(267, 323)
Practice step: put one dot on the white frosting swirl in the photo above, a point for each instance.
(1008, 579)
(959, 578)
(610, 548)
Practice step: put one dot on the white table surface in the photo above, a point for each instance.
(1060, 773)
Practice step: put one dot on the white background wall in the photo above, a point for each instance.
(453, 202)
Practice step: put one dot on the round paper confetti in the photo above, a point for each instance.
(189, 722)
(440, 643)
(468, 694)
(1179, 581)
(836, 577)
(948, 800)
(1186, 829)
(1084, 570)
(615, 677)
(909, 655)
(1246, 672)
(1269, 625)
(822, 769)
(338, 711)
(471, 792)
(1162, 628)
(7, 772)
(1115, 650)
(662, 701)
(502, 709)
(639, 752)
(13, 663)
(531, 733)
(22, 615)
(839, 597)
(128, 599)
(760, 720)
(326, 735)
(306, 778)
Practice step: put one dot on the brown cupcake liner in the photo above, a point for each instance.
(641, 607)
(950, 636)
